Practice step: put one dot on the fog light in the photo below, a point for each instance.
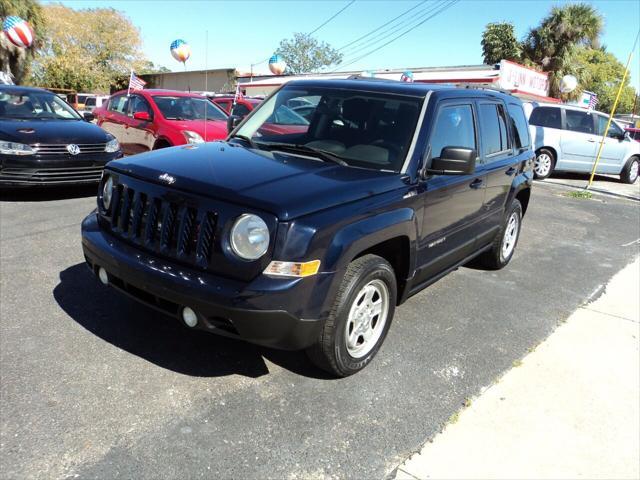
(189, 317)
(103, 276)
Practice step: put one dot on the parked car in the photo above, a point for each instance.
(91, 103)
(567, 138)
(310, 240)
(634, 133)
(151, 119)
(240, 108)
(44, 141)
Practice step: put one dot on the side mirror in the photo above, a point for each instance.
(454, 161)
(232, 122)
(144, 116)
(88, 117)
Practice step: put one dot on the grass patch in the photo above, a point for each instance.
(579, 194)
(517, 363)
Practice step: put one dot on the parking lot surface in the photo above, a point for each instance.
(93, 385)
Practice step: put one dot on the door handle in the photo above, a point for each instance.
(477, 183)
(510, 171)
(592, 140)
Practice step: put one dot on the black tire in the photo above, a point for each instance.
(161, 144)
(544, 155)
(495, 259)
(330, 352)
(627, 175)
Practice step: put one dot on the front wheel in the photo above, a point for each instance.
(544, 164)
(505, 243)
(360, 318)
(630, 171)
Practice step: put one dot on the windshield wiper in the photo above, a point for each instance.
(300, 148)
(251, 143)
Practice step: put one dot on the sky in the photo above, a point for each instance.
(241, 33)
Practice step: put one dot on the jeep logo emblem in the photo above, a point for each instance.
(166, 178)
(73, 149)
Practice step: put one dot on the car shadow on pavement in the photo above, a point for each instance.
(45, 194)
(163, 340)
(585, 177)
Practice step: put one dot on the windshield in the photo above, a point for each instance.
(360, 128)
(188, 108)
(35, 105)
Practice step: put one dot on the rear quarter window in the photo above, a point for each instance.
(519, 125)
(546, 117)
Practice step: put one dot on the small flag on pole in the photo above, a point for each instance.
(238, 95)
(135, 83)
(593, 101)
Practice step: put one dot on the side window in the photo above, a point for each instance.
(453, 128)
(579, 121)
(546, 117)
(240, 110)
(119, 104)
(494, 128)
(614, 130)
(519, 125)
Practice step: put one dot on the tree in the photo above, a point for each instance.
(305, 54)
(554, 44)
(499, 42)
(13, 59)
(87, 49)
(600, 72)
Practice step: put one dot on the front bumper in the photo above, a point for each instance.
(285, 313)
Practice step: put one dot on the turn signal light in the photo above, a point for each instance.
(292, 269)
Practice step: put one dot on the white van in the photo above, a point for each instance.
(567, 138)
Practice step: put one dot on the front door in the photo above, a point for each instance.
(140, 133)
(613, 149)
(453, 203)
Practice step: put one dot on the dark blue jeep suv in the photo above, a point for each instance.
(308, 238)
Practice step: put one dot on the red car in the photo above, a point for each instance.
(634, 133)
(284, 120)
(151, 119)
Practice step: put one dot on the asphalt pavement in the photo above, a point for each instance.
(93, 385)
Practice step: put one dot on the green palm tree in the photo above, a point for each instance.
(554, 44)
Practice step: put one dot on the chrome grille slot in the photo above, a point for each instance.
(61, 149)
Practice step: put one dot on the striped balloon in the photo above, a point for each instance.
(180, 50)
(407, 76)
(277, 65)
(18, 31)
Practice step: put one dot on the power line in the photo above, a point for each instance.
(392, 31)
(445, 7)
(331, 18)
(382, 26)
(317, 28)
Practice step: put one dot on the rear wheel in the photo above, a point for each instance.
(161, 144)
(544, 164)
(505, 243)
(360, 318)
(630, 171)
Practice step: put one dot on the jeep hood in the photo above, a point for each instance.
(286, 185)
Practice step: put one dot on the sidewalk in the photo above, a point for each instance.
(569, 410)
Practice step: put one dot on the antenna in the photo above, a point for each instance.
(206, 85)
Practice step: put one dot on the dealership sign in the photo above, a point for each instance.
(525, 80)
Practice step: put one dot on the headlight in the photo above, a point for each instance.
(192, 137)
(112, 146)
(107, 192)
(11, 148)
(249, 237)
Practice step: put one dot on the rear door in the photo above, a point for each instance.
(453, 203)
(500, 161)
(578, 141)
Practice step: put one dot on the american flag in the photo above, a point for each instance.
(136, 83)
(593, 101)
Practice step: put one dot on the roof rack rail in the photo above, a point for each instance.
(484, 87)
(359, 76)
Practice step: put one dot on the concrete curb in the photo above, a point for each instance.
(571, 409)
